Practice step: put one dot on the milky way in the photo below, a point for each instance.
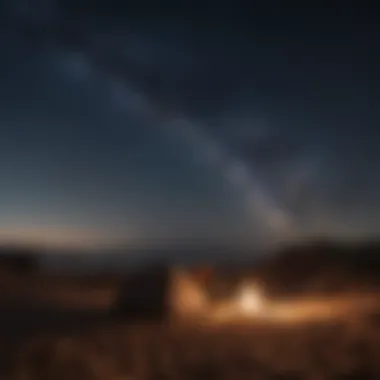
(259, 205)
(282, 111)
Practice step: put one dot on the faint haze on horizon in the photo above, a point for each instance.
(58, 237)
(121, 125)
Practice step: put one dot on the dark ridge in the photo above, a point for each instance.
(323, 266)
(19, 259)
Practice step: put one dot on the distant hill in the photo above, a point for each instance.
(319, 266)
(19, 259)
(323, 267)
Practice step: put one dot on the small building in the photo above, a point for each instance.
(212, 295)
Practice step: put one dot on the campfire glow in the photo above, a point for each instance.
(249, 304)
(250, 300)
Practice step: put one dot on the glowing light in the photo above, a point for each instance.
(252, 306)
(250, 299)
(188, 295)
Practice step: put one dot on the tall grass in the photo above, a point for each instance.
(142, 351)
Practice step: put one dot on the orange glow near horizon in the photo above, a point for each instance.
(64, 237)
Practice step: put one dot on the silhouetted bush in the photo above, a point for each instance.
(19, 260)
(143, 295)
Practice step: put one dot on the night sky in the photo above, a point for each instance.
(127, 124)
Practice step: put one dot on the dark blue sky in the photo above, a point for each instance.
(121, 124)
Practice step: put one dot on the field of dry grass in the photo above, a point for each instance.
(54, 344)
(119, 351)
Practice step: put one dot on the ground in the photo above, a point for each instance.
(116, 350)
(57, 342)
